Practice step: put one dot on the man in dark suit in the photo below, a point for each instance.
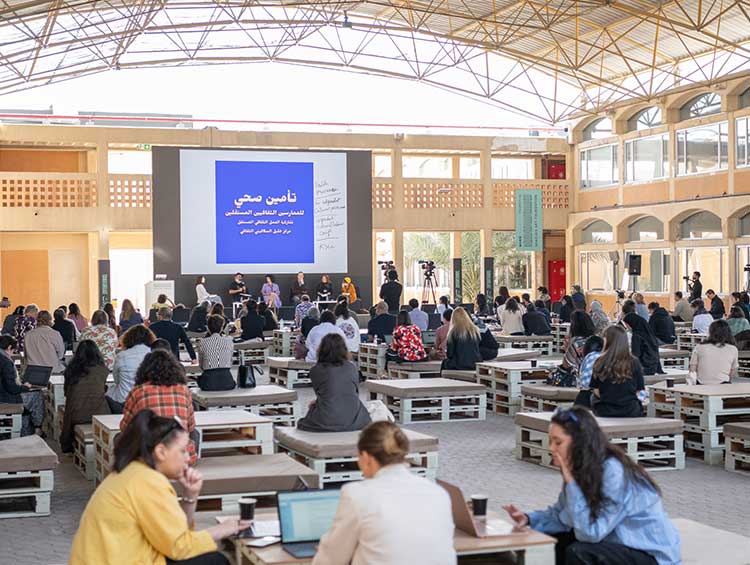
(174, 333)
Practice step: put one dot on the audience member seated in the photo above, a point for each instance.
(481, 308)
(511, 318)
(714, 361)
(535, 323)
(488, 345)
(136, 344)
(271, 322)
(439, 350)
(162, 302)
(135, 511)
(66, 328)
(10, 320)
(661, 324)
(640, 305)
(75, 316)
(301, 310)
(443, 305)
(599, 317)
(215, 357)
(682, 311)
(202, 295)
(165, 328)
(218, 310)
(566, 309)
(578, 298)
(348, 324)
(326, 326)
(643, 343)
(129, 316)
(525, 300)
(349, 290)
(11, 392)
(541, 307)
(462, 350)
(324, 290)
(406, 342)
(24, 324)
(103, 336)
(271, 293)
(392, 516)
(44, 346)
(418, 318)
(701, 318)
(111, 319)
(592, 350)
(161, 386)
(85, 385)
(609, 510)
(252, 323)
(335, 380)
(737, 320)
(390, 292)
(311, 319)
(298, 290)
(617, 378)
(581, 329)
(717, 305)
(197, 321)
(745, 304)
(382, 324)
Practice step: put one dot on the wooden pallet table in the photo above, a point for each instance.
(559, 333)
(674, 358)
(11, 419)
(282, 342)
(688, 341)
(371, 359)
(503, 380)
(737, 446)
(744, 364)
(430, 400)
(416, 370)
(253, 352)
(683, 327)
(26, 477)
(333, 455)
(546, 398)
(278, 404)
(84, 453)
(655, 443)
(541, 343)
(679, 376)
(288, 371)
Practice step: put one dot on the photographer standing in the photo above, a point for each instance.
(390, 292)
(695, 286)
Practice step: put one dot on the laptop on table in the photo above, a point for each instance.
(37, 376)
(304, 516)
(464, 520)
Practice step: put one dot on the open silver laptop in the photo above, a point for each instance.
(464, 520)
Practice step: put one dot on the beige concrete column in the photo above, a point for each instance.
(485, 234)
(398, 253)
(731, 156)
(102, 175)
(734, 268)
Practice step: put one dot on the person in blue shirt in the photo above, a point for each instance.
(541, 307)
(609, 510)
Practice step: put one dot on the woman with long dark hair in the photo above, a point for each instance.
(643, 343)
(198, 317)
(566, 309)
(715, 360)
(10, 320)
(581, 328)
(609, 510)
(617, 378)
(135, 515)
(481, 308)
(511, 318)
(75, 316)
(109, 309)
(66, 328)
(85, 385)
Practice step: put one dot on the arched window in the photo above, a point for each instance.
(647, 228)
(597, 231)
(703, 105)
(598, 129)
(701, 225)
(744, 227)
(645, 119)
(744, 99)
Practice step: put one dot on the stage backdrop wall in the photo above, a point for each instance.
(208, 204)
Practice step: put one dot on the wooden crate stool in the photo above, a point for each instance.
(84, 454)
(414, 370)
(226, 479)
(282, 341)
(11, 417)
(333, 455)
(26, 477)
(546, 398)
(674, 358)
(276, 403)
(504, 379)
(252, 352)
(655, 443)
(744, 364)
(430, 400)
(455, 374)
(541, 343)
(288, 371)
(225, 431)
(688, 341)
(559, 333)
(371, 359)
(105, 427)
(737, 446)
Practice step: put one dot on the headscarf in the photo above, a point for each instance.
(600, 319)
(644, 344)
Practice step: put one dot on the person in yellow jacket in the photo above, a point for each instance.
(135, 517)
(349, 290)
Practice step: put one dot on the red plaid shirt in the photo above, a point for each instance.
(166, 401)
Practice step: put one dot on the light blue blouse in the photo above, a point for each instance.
(634, 518)
(124, 370)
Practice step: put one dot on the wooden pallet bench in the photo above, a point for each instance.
(744, 364)
(430, 400)
(559, 333)
(11, 419)
(737, 446)
(288, 371)
(282, 342)
(26, 477)
(546, 398)
(252, 352)
(683, 327)
(655, 443)
(371, 359)
(674, 358)
(504, 379)
(276, 403)
(84, 453)
(541, 343)
(333, 455)
(679, 376)
(226, 479)
(459, 375)
(416, 370)
(688, 341)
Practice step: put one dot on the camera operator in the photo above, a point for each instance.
(390, 292)
(695, 286)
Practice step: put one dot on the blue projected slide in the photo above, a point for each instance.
(264, 212)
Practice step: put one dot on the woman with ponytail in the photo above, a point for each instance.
(609, 510)
(135, 516)
(391, 517)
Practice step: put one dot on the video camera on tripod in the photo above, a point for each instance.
(386, 266)
(428, 267)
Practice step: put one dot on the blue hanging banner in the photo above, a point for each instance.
(529, 220)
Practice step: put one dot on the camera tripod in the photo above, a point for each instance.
(428, 289)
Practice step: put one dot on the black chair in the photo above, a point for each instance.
(429, 308)
(468, 307)
(286, 313)
(152, 316)
(180, 316)
(556, 307)
(434, 321)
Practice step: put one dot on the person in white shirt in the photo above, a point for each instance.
(511, 318)
(348, 324)
(392, 517)
(418, 318)
(326, 326)
(701, 317)
(443, 305)
(203, 295)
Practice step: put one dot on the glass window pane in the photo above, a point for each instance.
(701, 225)
(745, 225)
(702, 149)
(512, 168)
(741, 126)
(597, 232)
(645, 159)
(646, 229)
(652, 277)
(382, 166)
(703, 105)
(710, 262)
(417, 166)
(512, 267)
(470, 168)
(601, 166)
(426, 246)
(597, 270)
(723, 145)
(743, 262)
(597, 130)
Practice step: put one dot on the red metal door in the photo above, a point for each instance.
(556, 277)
